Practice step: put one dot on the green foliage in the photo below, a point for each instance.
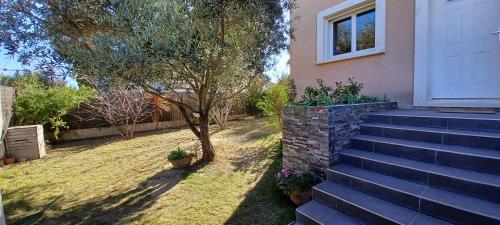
(6, 80)
(289, 181)
(37, 103)
(323, 95)
(275, 100)
(254, 95)
(179, 153)
(347, 94)
(317, 96)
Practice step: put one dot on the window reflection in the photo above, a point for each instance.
(365, 30)
(342, 36)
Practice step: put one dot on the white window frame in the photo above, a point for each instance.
(345, 9)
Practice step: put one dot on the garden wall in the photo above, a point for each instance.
(7, 95)
(314, 136)
(80, 134)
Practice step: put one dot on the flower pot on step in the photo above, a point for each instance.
(299, 197)
(182, 163)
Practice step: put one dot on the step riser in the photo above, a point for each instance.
(435, 209)
(419, 154)
(433, 137)
(454, 215)
(350, 209)
(303, 219)
(474, 189)
(388, 194)
(449, 123)
(451, 159)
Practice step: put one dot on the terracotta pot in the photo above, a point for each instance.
(182, 163)
(299, 197)
(8, 161)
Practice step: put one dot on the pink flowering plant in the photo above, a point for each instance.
(289, 181)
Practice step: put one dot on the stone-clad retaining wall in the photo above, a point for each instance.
(313, 136)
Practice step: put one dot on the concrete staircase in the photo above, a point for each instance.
(414, 167)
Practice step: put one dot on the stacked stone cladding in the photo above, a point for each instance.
(314, 136)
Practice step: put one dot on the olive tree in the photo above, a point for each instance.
(161, 46)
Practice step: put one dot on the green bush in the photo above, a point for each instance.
(179, 153)
(38, 103)
(277, 97)
(323, 95)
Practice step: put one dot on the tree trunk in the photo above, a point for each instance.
(202, 134)
(206, 145)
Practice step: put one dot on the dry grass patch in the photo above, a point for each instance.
(110, 181)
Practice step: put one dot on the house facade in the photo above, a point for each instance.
(419, 53)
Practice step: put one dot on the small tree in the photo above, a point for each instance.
(222, 110)
(122, 108)
(37, 103)
(277, 97)
(229, 95)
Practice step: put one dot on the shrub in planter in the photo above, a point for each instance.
(297, 186)
(180, 158)
(324, 95)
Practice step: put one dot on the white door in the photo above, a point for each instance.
(463, 54)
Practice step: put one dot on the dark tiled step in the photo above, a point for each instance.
(454, 156)
(476, 184)
(464, 138)
(455, 208)
(315, 213)
(367, 208)
(479, 122)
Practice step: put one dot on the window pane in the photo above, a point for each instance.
(365, 30)
(342, 36)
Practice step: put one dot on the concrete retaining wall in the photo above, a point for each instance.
(81, 134)
(314, 136)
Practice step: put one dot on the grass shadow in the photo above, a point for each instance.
(124, 207)
(265, 203)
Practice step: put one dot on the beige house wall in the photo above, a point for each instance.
(390, 73)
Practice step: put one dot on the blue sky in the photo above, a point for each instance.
(9, 65)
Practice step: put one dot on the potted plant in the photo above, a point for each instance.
(180, 158)
(297, 186)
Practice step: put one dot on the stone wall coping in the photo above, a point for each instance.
(339, 106)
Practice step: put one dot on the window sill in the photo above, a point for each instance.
(354, 55)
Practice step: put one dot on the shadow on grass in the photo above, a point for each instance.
(123, 207)
(265, 203)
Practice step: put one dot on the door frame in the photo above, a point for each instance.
(422, 76)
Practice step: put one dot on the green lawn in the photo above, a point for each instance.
(108, 181)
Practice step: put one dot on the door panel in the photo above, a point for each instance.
(464, 57)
